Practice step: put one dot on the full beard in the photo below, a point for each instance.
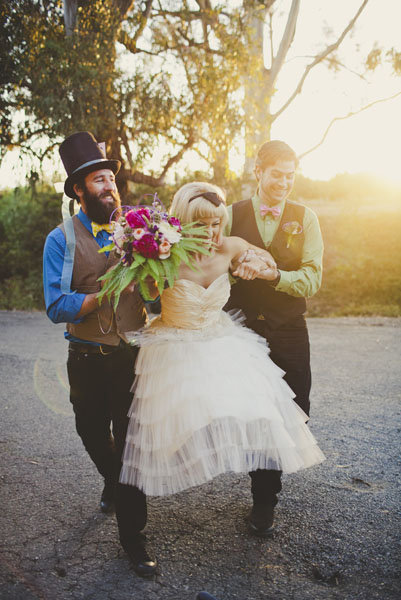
(99, 212)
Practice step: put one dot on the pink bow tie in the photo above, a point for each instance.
(275, 211)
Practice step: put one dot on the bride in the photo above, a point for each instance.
(207, 397)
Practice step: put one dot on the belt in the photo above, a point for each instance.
(102, 349)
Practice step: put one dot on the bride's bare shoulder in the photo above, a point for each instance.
(234, 244)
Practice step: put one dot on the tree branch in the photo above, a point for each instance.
(131, 43)
(271, 49)
(127, 148)
(343, 66)
(203, 45)
(319, 58)
(123, 6)
(200, 153)
(138, 177)
(26, 135)
(338, 63)
(178, 156)
(347, 116)
(285, 43)
(192, 15)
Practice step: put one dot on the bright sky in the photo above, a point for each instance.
(368, 142)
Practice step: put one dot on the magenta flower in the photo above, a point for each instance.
(147, 246)
(175, 222)
(144, 212)
(134, 220)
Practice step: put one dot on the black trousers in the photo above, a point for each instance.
(290, 350)
(100, 396)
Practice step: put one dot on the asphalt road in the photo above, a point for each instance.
(338, 524)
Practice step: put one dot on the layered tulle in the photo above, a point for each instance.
(209, 400)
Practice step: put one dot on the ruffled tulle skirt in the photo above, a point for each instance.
(207, 402)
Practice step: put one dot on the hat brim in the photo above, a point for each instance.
(102, 163)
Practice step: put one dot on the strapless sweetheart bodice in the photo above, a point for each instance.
(188, 305)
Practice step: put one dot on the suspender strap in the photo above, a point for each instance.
(68, 265)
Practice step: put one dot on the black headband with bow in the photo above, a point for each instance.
(210, 196)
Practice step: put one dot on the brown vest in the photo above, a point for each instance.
(89, 265)
(258, 299)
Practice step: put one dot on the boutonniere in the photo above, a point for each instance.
(292, 228)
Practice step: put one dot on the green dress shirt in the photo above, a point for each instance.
(305, 281)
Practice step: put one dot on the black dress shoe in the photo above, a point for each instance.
(143, 564)
(107, 498)
(261, 520)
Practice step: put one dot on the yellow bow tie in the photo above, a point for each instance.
(106, 226)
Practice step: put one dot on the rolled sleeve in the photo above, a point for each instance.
(60, 308)
(227, 229)
(306, 281)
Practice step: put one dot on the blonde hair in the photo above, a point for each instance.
(188, 212)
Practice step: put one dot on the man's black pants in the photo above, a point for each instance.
(100, 396)
(289, 349)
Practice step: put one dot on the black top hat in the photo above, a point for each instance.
(81, 155)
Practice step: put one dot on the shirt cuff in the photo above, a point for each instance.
(285, 281)
(151, 301)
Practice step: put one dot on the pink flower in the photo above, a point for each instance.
(164, 249)
(139, 232)
(147, 246)
(144, 212)
(134, 219)
(175, 222)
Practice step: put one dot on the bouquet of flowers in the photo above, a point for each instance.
(152, 243)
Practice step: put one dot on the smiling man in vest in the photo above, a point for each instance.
(100, 362)
(275, 309)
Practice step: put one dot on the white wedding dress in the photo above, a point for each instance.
(208, 399)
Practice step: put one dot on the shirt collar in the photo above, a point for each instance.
(85, 220)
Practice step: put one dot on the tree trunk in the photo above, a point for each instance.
(70, 16)
(219, 166)
(256, 101)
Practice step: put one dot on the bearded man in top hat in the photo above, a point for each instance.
(275, 309)
(100, 362)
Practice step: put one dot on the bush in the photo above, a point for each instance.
(361, 262)
(361, 274)
(25, 221)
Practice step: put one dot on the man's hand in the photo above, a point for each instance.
(268, 274)
(264, 255)
(250, 269)
(129, 289)
(256, 264)
(151, 284)
(152, 287)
